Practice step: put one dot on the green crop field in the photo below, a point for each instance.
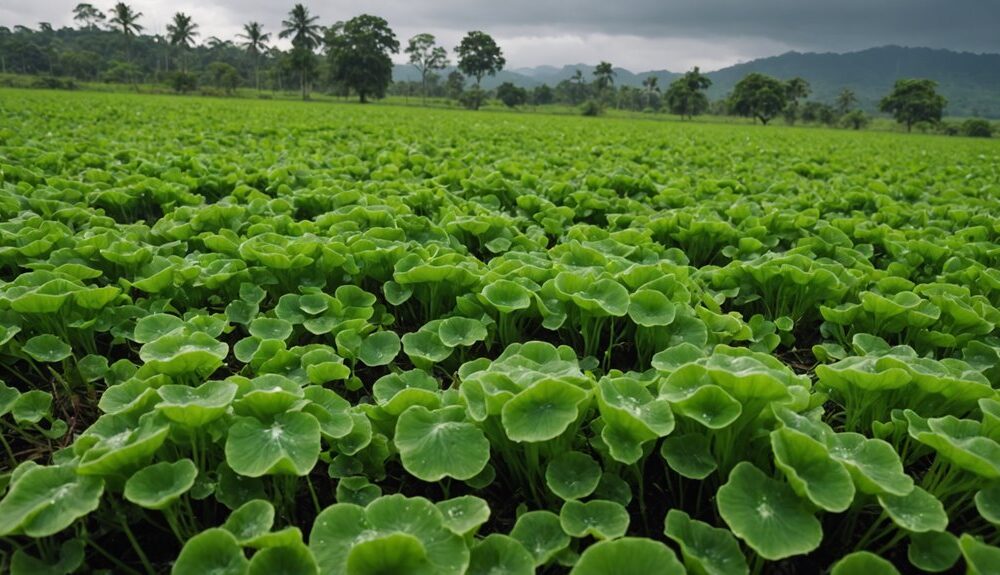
(264, 337)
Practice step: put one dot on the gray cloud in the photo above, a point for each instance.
(637, 34)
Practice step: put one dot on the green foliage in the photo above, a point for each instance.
(511, 95)
(478, 56)
(358, 54)
(686, 95)
(977, 128)
(777, 350)
(914, 100)
(759, 96)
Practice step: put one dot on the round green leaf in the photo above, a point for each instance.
(43, 501)
(705, 549)
(710, 406)
(461, 331)
(284, 560)
(393, 534)
(650, 308)
(598, 518)
(933, 551)
(439, 443)
(251, 520)
(156, 325)
(873, 464)
(981, 559)
(988, 503)
(160, 484)
(47, 348)
(918, 511)
(767, 514)
(572, 475)
(289, 445)
(178, 353)
(463, 515)
(379, 348)
(357, 490)
(628, 555)
(811, 471)
(689, 455)
(196, 406)
(543, 411)
(507, 296)
(500, 555)
(213, 551)
(542, 535)
(863, 562)
(270, 328)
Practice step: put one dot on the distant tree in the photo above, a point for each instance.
(820, 113)
(455, 85)
(426, 56)
(182, 31)
(855, 119)
(758, 96)
(255, 43)
(846, 101)
(81, 64)
(542, 95)
(686, 95)
(305, 34)
(182, 82)
(478, 56)
(126, 20)
(224, 76)
(511, 95)
(358, 53)
(795, 89)
(976, 128)
(604, 77)
(650, 85)
(914, 100)
(88, 16)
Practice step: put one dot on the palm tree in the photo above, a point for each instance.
(306, 35)
(651, 84)
(182, 32)
(846, 101)
(255, 41)
(126, 20)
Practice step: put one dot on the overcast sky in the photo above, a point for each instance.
(637, 34)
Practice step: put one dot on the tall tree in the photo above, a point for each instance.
(758, 96)
(182, 31)
(604, 76)
(795, 89)
(127, 20)
(479, 55)
(88, 16)
(686, 95)
(306, 37)
(255, 42)
(846, 101)
(426, 56)
(358, 52)
(914, 100)
(650, 85)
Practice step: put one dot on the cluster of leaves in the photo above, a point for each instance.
(350, 345)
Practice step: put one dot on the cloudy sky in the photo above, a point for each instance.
(636, 34)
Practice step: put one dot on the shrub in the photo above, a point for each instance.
(977, 128)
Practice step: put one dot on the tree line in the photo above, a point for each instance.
(354, 57)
